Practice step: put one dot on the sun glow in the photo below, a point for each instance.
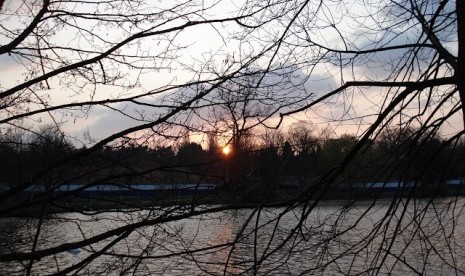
(226, 150)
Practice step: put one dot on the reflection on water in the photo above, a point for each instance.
(388, 237)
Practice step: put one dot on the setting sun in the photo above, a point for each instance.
(226, 150)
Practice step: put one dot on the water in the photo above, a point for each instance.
(385, 238)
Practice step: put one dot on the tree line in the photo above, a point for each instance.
(260, 162)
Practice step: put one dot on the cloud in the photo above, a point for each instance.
(282, 90)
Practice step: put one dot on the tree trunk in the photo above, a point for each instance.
(459, 73)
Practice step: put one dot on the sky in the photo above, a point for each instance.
(193, 55)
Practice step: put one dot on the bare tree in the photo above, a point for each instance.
(272, 138)
(359, 66)
(302, 137)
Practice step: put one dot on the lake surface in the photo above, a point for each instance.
(388, 237)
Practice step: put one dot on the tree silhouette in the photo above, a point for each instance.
(122, 81)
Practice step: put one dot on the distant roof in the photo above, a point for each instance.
(391, 184)
(107, 187)
(455, 182)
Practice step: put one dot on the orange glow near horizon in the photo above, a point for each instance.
(226, 150)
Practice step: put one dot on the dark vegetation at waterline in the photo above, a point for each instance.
(263, 169)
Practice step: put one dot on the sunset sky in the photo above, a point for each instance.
(204, 47)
